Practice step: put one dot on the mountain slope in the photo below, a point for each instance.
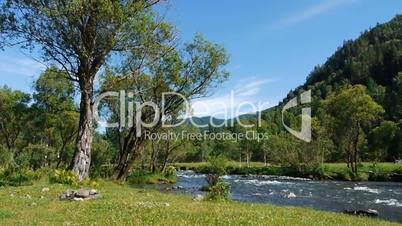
(374, 60)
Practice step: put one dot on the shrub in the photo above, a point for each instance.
(6, 157)
(361, 177)
(63, 177)
(170, 172)
(103, 171)
(219, 192)
(18, 177)
(376, 174)
(140, 176)
(344, 175)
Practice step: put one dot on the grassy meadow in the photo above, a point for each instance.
(124, 205)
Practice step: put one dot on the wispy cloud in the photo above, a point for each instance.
(18, 66)
(241, 100)
(311, 12)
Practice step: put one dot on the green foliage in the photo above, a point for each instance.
(18, 177)
(139, 176)
(170, 172)
(217, 166)
(218, 192)
(346, 114)
(6, 157)
(63, 177)
(102, 157)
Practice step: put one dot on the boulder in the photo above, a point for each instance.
(93, 192)
(198, 198)
(80, 195)
(368, 213)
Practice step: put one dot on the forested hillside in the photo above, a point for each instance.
(373, 60)
(366, 71)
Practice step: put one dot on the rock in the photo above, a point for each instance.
(45, 189)
(82, 193)
(368, 213)
(198, 198)
(93, 192)
(291, 195)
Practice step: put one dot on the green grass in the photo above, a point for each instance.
(123, 205)
(150, 178)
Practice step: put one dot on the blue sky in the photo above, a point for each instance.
(273, 45)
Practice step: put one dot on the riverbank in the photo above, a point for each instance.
(123, 205)
(329, 171)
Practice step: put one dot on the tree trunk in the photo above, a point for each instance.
(356, 147)
(131, 152)
(265, 159)
(82, 155)
(154, 154)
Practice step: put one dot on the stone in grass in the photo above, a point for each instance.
(198, 198)
(45, 189)
(80, 195)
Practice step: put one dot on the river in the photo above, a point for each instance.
(337, 196)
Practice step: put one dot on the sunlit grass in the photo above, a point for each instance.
(123, 205)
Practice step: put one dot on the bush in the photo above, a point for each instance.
(6, 157)
(218, 165)
(18, 177)
(219, 192)
(140, 176)
(376, 174)
(170, 172)
(361, 177)
(35, 157)
(344, 175)
(103, 171)
(63, 177)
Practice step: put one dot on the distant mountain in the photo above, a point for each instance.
(206, 120)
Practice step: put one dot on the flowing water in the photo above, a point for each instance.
(385, 197)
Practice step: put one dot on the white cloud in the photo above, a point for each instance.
(19, 66)
(236, 102)
(311, 12)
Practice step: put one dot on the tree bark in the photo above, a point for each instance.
(82, 155)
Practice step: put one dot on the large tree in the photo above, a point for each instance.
(348, 113)
(56, 116)
(77, 36)
(13, 116)
(191, 72)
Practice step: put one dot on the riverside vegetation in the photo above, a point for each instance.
(356, 119)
